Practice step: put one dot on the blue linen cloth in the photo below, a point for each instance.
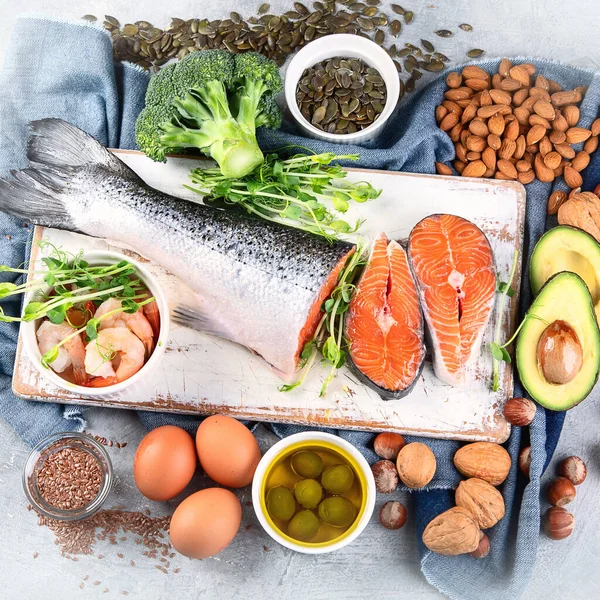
(69, 73)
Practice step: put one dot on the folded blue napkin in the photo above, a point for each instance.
(68, 73)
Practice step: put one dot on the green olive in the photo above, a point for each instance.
(337, 511)
(337, 479)
(280, 503)
(307, 464)
(309, 493)
(304, 526)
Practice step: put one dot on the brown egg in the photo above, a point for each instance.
(205, 522)
(559, 353)
(228, 452)
(164, 462)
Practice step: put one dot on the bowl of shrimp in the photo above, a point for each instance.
(107, 340)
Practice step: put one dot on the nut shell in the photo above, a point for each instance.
(483, 549)
(386, 476)
(558, 523)
(482, 499)
(388, 445)
(484, 460)
(519, 411)
(525, 460)
(560, 492)
(392, 515)
(574, 469)
(416, 465)
(453, 532)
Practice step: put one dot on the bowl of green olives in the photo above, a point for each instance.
(313, 492)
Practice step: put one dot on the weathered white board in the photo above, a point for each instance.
(200, 374)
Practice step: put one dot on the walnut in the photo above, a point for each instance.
(482, 499)
(453, 532)
(582, 210)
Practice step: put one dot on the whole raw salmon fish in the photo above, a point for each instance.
(454, 269)
(262, 284)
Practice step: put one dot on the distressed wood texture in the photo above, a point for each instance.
(200, 374)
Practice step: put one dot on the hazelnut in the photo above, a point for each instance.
(560, 491)
(484, 547)
(574, 469)
(392, 515)
(416, 465)
(386, 476)
(558, 523)
(519, 411)
(525, 460)
(387, 445)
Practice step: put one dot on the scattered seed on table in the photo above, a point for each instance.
(36, 554)
(445, 33)
(408, 17)
(475, 53)
(466, 27)
(398, 9)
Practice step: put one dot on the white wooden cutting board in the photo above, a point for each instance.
(200, 374)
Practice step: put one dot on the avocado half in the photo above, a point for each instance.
(567, 249)
(564, 297)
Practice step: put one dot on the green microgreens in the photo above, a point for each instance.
(329, 335)
(291, 191)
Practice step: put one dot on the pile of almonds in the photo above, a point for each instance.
(514, 125)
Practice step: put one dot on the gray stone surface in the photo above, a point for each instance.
(380, 564)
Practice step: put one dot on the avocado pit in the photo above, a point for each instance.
(559, 353)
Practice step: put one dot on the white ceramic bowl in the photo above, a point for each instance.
(346, 46)
(30, 344)
(302, 440)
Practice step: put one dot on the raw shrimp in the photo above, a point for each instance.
(115, 355)
(72, 353)
(136, 322)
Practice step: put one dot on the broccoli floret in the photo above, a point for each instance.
(214, 101)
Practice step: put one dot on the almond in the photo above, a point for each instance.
(469, 113)
(443, 169)
(571, 114)
(460, 93)
(529, 67)
(521, 145)
(496, 79)
(520, 96)
(496, 124)
(537, 120)
(566, 97)
(545, 146)
(542, 172)
(452, 107)
(522, 115)
(552, 160)
(539, 94)
(520, 74)
(523, 166)
(512, 130)
(555, 201)
(507, 149)
(461, 152)
(581, 161)
(494, 141)
(504, 68)
(478, 127)
(449, 121)
(482, 499)
(485, 460)
(510, 85)
(526, 177)
(575, 135)
(456, 132)
(459, 165)
(485, 99)
(595, 127)
(500, 97)
(565, 150)
(473, 156)
(502, 176)
(572, 177)
(476, 143)
(545, 110)
(477, 84)
(454, 80)
(489, 158)
(591, 145)
(557, 137)
(507, 168)
(440, 113)
(542, 83)
(474, 169)
(487, 111)
(560, 123)
(554, 87)
(474, 72)
(488, 173)
(535, 134)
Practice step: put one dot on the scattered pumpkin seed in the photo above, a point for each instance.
(408, 17)
(398, 9)
(475, 53)
(90, 18)
(466, 27)
(427, 45)
(445, 33)
(395, 28)
(264, 8)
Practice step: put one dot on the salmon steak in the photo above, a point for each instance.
(384, 324)
(453, 265)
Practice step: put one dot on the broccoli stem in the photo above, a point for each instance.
(249, 97)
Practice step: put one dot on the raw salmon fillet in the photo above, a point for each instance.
(455, 274)
(384, 324)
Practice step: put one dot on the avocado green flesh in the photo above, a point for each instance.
(564, 297)
(567, 249)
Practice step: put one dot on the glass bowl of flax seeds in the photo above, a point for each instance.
(67, 476)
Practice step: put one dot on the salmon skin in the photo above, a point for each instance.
(384, 324)
(455, 274)
(261, 283)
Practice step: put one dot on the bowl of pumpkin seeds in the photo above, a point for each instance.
(342, 88)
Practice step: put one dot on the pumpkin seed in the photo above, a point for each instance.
(398, 9)
(379, 37)
(475, 53)
(264, 8)
(445, 33)
(466, 27)
(90, 18)
(408, 17)
(427, 45)
(395, 28)
(434, 66)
